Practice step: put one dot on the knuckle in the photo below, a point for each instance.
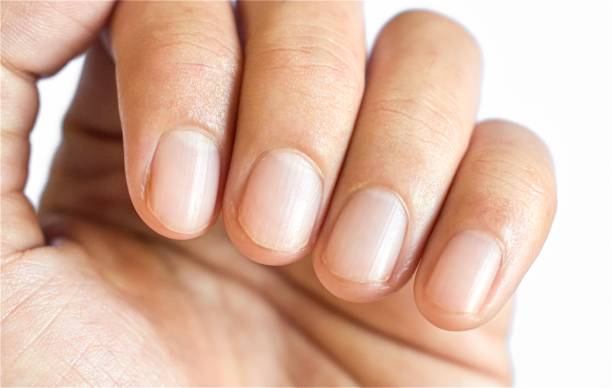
(515, 173)
(431, 121)
(512, 175)
(193, 46)
(498, 213)
(313, 53)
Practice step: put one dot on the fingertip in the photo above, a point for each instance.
(444, 319)
(362, 254)
(453, 293)
(352, 291)
(249, 248)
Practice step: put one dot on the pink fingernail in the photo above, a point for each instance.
(367, 237)
(184, 180)
(464, 273)
(281, 201)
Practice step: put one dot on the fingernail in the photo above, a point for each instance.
(464, 273)
(184, 180)
(367, 237)
(281, 201)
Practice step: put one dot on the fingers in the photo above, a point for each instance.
(302, 84)
(178, 69)
(37, 39)
(414, 125)
(494, 222)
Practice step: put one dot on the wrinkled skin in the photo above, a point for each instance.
(90, 295)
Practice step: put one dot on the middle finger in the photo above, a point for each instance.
(302, 85)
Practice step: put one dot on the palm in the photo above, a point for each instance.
(109, 302)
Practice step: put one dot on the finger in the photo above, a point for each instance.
(303, 80)
(413, 127)
(88, 175)
(177, 75)
(37, 39)
(492, 226)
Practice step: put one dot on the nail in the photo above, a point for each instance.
(281, 201)
(367, 238)
(184, 180)
(464, 273)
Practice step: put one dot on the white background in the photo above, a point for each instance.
(548, 65)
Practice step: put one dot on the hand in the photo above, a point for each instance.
(313, 164)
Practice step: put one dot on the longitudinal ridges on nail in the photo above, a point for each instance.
(281, 201)
(184, 180)
(368, 236)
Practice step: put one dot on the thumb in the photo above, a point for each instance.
(38, 38)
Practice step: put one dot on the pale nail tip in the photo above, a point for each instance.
(274, 246)
(182, 228)
(255, 236)
(365, 280)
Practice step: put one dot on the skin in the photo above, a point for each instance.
(97, 289)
